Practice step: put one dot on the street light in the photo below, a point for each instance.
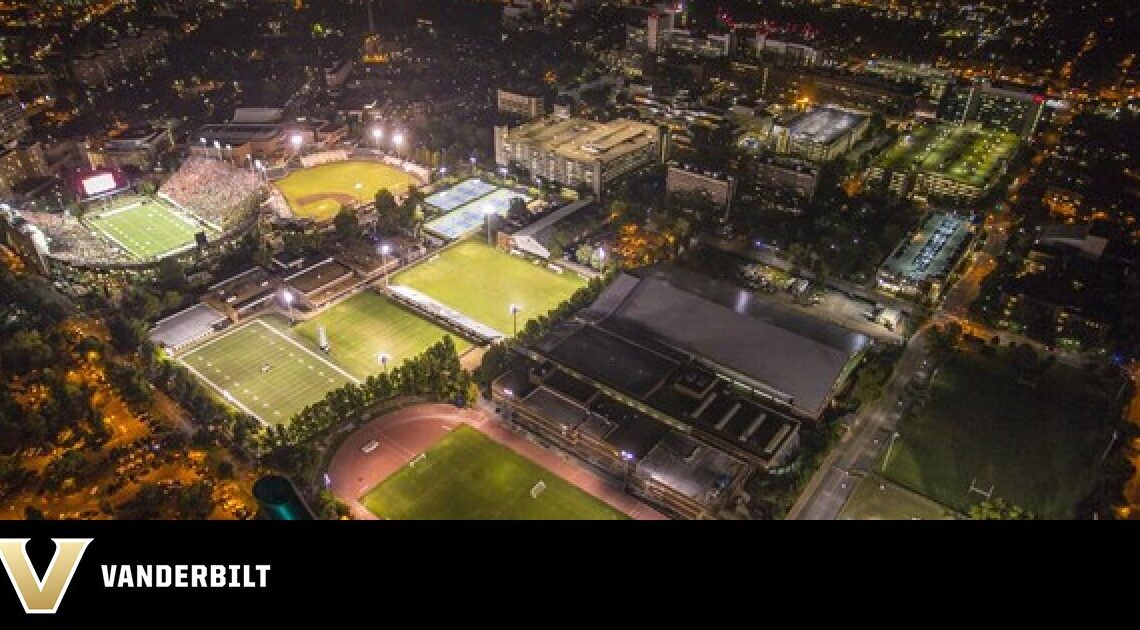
(288, 297)
(515, 308)
(384, 249)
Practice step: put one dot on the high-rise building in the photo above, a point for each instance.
(577, 152)
(1006, 109)
(13, 119)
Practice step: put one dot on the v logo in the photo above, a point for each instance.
(42, 596)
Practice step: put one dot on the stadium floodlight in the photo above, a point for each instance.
(203, 140)
(217, 145)
(296, 140)
(627, 456)
(398, 139)
(443, 170)
(383, 358)
(487, 212)
(287, 295)
(384, 249)
(515, 308)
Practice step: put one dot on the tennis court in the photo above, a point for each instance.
(465, 191)
(471, 216)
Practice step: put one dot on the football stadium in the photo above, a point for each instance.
(147, 228)
(466, 204)
(467, 475)
(122, 232)
(482, 283)
(319, 192)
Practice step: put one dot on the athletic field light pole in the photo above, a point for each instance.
(398, 142)
(894, 436)
(384, 249)
(218, 146)
(377, 136)
(487, 219)
(383, 358)
(515, 308)
(296, 140)
(287, 295)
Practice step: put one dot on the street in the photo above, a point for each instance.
(855, 456)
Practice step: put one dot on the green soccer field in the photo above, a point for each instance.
(320, 191)
(148, 230)
(1037, 446)
(368, 324)
(233, 364)
(483, 282)
(469, 476)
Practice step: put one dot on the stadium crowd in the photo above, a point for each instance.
(70, 239)
(213, 190)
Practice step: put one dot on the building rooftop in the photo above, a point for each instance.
(823, 125)
(964, 155)
(932, 251)
(795, 359)
(585, 140)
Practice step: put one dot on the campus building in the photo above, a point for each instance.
(922, 264)
(576, 152)
(20, 163)
(786, 52)
(681, 384)
(820, 134)
(514, 102)
(13, 119)
(944, 163)
(139, 147)
(1014, 111)
(934, 81)
(686, 178)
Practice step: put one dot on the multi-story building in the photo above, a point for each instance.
(20, 163)
(140, 147)
(848, 89)
(820, 134)
(576, 152)
(524, 104)
(719, 187)
(935, 81)
(13, 119)
(1015, 111)
(782, 183)
(925, 261)
(98, 67)
(785, 51)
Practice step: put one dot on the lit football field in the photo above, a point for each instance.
(233, 364)
(320, 191)
(467, 475)
(146, 228)
(483, 282)
(367, 325)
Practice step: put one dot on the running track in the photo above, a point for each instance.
(405, 433)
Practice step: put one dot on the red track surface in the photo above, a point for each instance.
(408, 432)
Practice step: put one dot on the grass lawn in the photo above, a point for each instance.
(890, 503)
(1038, 446)
(467, 475)
(147, 230)
(362, 327)
(483, 282)
(319, 192)
(232, 364)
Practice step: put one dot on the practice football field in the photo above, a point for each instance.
(483, 282)
(368, 324)
(233, 364)
(319, 192)
(468, 476)
(147, 230)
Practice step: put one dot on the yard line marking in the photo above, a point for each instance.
(309, 352)
(222, 391)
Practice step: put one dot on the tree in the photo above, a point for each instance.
(171, 274)
(225, 469)
(196, 501)
(517, 210)
(126, 333)
(998, 510)
(387, 212)
(346, 224)
(146, 187)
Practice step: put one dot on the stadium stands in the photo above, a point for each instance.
(213, 190)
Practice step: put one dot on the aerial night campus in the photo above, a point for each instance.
(578, 260)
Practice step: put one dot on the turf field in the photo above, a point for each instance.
(483, 282)
(881, 500)
(362, 327)
(472, 216)
(1038, 447)
(147, 230)
(970, 156)
(468, 476)
(233, 362)
(319, 192)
